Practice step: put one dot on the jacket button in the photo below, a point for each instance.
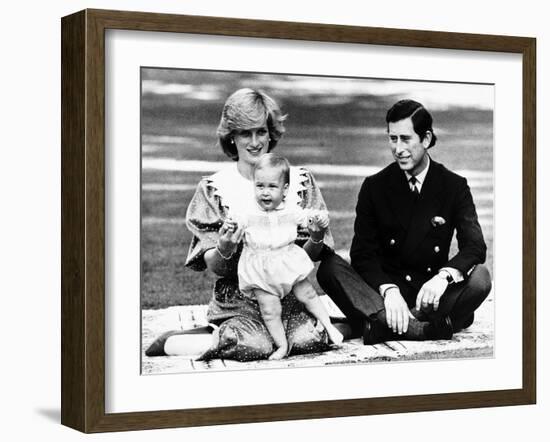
(436, 249)
(408, 278)
(392, 242)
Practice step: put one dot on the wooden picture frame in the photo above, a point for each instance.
(83, 220)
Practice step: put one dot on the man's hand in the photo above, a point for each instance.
(431, 292)
(397, 311)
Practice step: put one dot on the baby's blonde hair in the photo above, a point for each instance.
(271, 160)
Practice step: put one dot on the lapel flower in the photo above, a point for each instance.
(437, 221)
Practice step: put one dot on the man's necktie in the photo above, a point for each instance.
(414, 189)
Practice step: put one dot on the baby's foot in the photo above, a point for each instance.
(280, 353)
(334, 335)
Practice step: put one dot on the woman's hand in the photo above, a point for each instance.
(216, 258)
(230, 236)
(318, 224)
(321, 219)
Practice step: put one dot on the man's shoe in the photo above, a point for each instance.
(344, 328)
(375, 333)
(441, 329)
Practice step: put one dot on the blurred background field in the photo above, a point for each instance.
(335, 128)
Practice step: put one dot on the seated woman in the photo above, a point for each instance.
(251, 125)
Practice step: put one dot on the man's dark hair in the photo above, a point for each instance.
(421, 119)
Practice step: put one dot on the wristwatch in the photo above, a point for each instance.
(446, 275)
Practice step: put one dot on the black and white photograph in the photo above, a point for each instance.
(303, 221)
(210, 230)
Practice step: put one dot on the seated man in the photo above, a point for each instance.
(401, 283)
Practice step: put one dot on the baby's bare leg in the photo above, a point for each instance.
(306, 294)
(270, 308)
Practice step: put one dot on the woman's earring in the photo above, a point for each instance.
(232, 141)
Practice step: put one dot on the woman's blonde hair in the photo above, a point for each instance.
(247, 109)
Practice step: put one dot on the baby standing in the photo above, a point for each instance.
(271, 264)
